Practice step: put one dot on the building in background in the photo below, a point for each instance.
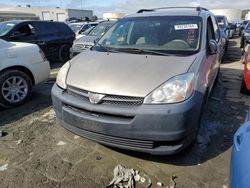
(42, 13)
(232, 15)
(114, 15)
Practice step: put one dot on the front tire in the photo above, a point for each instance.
(64, 53)
(15, 88)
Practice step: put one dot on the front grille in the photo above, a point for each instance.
(108, 99)
(107, 139)
(119, 141)
(101, 115)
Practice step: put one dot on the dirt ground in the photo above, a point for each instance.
(37, 152)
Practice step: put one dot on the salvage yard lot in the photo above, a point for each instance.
(37, 152)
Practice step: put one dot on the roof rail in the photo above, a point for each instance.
(145, 10)
(201, 8)
(151, 10)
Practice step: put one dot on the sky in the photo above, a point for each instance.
(128, 6)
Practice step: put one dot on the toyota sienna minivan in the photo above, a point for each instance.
(144, 83)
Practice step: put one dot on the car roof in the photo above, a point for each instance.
(34, 21)
(171, 11)
(78, 23)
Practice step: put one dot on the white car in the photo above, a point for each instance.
(22, 66)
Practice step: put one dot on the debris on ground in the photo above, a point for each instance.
(61, 143)
(123, 178)
(76, 137)
(144, 178)
(1, 134)
(3, 168)
(126, 178)
(98, 157)
(159, 184)
(18, 142)
(172, 183)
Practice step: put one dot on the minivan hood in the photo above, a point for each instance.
(124, 74)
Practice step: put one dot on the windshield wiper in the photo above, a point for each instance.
(143, 51)
(106, 48)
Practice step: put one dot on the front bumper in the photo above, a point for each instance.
(40, 71)
(154, 129)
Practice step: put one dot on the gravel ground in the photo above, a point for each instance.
(37, 152)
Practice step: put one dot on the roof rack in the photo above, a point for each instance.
(145, 10)
(151, 10)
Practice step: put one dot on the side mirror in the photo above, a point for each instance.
(212, 47)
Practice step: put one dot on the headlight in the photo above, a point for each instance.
(62, 75)
(177, 89)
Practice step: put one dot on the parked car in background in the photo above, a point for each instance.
(80, 27)
(223, 24)
(22, 66)
(245, 37)
(245, 84)
(54, 38)
(243, 25)
(240, 163)
(76, 26)
(86, 42)
(86, 32)
(73, 20)
(85, 27)
(143, 85)
(223, 43)
(231, 29)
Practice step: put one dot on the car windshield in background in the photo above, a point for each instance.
(87, 31)
(5, 27)
(75, 27)
(154, 35)
(245, 22)
(247, 28)
(100, 29)
(221, 21)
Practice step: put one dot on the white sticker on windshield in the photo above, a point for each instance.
(186, 26)
(10, 24)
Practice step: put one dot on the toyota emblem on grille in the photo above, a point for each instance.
(95, 98)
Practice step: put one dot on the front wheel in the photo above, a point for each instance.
(15, 88)
(64, 53)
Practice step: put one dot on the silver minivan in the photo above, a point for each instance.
(144, 83)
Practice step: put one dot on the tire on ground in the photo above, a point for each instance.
(10, 73)
(64, 53)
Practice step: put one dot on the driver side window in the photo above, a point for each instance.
(210, 30)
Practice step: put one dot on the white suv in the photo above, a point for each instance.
(22, 66)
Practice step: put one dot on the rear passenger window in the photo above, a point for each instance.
(26, 30)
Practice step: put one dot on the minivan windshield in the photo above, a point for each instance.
(154, 35)
(5, 27)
